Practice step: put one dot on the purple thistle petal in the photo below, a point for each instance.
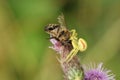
(57, 46)
(97, 73)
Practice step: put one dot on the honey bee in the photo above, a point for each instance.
(59, 31)
(66, 37)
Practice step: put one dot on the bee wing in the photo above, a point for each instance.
(61, 21)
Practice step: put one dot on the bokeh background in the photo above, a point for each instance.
(24, 52)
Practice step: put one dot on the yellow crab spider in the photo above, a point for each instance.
(78, 45)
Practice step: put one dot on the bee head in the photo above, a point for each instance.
(51, 27)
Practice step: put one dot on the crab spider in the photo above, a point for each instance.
(78, 45)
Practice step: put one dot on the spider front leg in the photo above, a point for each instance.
(81, 45)
(68, 58)
(72, 54)
(73, 51)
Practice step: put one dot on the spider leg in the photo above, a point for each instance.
(75, 49)
(74, 43)
(73, 54)
(82, 45)
(69, 55)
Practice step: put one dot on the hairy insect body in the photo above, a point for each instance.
(53, 29)
(59, 33)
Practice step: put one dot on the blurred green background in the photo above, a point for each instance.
(24, 52)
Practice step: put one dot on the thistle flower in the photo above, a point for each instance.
(75, 74)
(97, 73)
(73, 69)
(57, 46)
(69, 60)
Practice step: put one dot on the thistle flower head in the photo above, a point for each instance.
(57, 46)
(97, 73)
(75, 74)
